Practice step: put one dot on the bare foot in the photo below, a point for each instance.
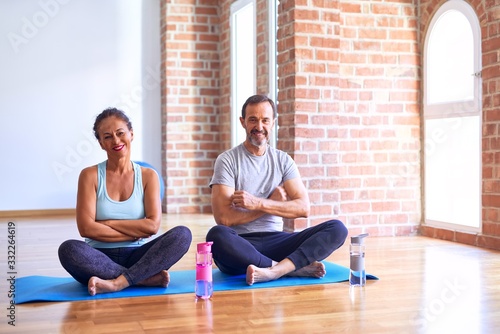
(161, 279)
(98, 285)
(315, 269)
(256, 274)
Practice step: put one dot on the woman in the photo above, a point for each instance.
(117, 212)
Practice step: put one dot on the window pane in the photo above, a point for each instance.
(451, 65)
(243, 65)
(452, 175)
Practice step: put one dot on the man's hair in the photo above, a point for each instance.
(256, 99)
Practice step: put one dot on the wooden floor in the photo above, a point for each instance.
(425, 286)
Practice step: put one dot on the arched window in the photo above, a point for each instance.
(452, 118)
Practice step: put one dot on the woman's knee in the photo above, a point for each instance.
(183, 234)
(184, 231)
(69, 254)
(67, 248)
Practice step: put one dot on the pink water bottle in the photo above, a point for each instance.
(204, 288)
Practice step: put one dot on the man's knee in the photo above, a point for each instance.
(338, 227)
(222, 238)
(216, 233)
(337, 231)
(341, 229)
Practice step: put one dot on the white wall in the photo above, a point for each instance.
(61, 63)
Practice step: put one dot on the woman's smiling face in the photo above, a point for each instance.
(115, 136)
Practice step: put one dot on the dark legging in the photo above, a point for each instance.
(135, 263)
(233, 253)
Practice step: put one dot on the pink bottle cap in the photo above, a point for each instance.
(204, 247)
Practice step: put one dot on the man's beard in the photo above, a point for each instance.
(258, 142)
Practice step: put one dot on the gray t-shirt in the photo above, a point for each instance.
(258, 175)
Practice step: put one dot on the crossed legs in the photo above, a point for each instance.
(109, 270)
(265, 256)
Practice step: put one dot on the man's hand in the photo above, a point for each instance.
(242, 199)
(238, 207)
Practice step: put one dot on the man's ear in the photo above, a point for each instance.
(131, 134)
(242, 121)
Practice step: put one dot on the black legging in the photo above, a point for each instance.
(233, 253)
(135, 263)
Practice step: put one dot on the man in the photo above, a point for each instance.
(254, 187)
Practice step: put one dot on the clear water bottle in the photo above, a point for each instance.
(357, 275)
(204, 287)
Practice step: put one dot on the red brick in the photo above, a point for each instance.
(466, 238)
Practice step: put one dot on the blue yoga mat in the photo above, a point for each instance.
(60, 289)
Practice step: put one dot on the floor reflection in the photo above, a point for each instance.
(451, 296)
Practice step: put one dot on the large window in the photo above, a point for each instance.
(243, 62)
(452, 122)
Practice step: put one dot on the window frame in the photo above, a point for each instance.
(474, 107)
(454, 109)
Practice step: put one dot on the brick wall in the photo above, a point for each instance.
(224, 124)
(308, 71)
(262, 46)
(191, 44)
(349, 105)
(351, 117)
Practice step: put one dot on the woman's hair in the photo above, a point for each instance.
(256, 99)
(110, 112)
